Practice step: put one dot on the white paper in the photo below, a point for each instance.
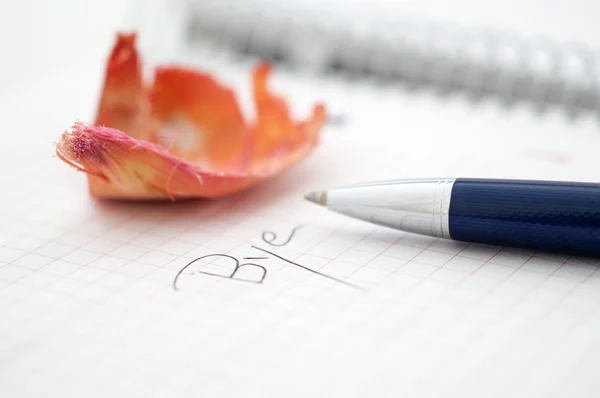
(88, 305)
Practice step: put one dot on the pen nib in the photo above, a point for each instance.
(319, 197)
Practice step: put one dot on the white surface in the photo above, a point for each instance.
(85, 287)
(39, 38)
(87, 307)
(562, 20)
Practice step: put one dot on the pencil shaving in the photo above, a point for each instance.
(183, 136)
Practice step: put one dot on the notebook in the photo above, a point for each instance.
(450, 52)
(265, 295)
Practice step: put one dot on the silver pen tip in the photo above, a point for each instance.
(318, 197)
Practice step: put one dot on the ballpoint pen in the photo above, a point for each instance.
(550, 216)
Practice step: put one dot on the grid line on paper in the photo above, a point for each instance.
(247, 244)
(574, 368)
(480, 334)
(425, 289)
(115, 271)
(472, 273)
(74, 248)
(421, 280)
(324, 266)
(66, 231)
(330, 260)
(550, 310)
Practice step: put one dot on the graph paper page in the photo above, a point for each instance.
(102, 299)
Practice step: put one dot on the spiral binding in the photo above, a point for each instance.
(446, 57)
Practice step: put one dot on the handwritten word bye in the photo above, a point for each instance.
(251, 264)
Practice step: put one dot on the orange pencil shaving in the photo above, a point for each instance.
(213, 151)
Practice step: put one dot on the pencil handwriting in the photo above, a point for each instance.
(250, 263)
(269, 237)
(237, 266)
(306, 268)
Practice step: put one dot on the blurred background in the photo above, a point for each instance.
(362, 58)
(41, 37)
(365, 52)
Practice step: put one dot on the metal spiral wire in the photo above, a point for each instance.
(449, 58)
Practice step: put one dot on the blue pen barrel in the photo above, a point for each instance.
(540, 215)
